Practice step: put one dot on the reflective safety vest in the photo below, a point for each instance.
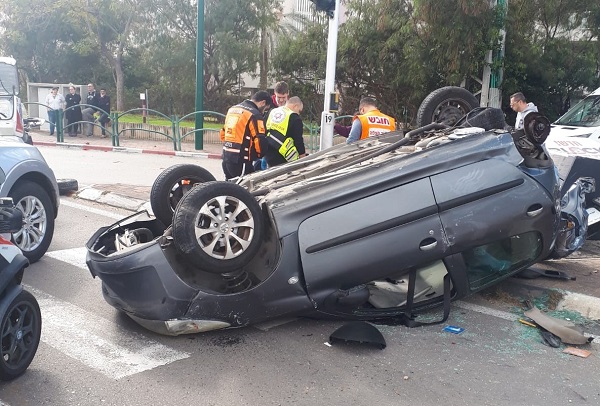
(243, 124)
(375, 123)
(277, 128)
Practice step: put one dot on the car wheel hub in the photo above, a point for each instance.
(224, 227)
(34, 224)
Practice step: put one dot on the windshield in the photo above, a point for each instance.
(9, 81)
(6, 107)
(586, 113)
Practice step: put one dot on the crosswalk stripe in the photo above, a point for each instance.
(99, 343)
(73, 256)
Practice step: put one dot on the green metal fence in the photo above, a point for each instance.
(175, 132)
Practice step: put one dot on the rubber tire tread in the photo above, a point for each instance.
(67, 185)
(6, 373)
(161, 188)
(435, 98)
(184, 236)
(28, 188)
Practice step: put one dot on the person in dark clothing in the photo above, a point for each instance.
(244, 127)
(285, 141)
(72, 111)
(88, 112)
(104, 106)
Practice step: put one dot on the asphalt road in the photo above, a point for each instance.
(92, 355)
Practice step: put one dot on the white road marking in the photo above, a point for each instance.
(99, 343)
(89, 209)
(73, 256)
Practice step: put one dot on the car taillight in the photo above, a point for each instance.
(19, 129)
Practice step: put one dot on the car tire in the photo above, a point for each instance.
(20, 327)
(171, 185)
(212, 242)
(66, 186)
(445, 105)
(38, 219)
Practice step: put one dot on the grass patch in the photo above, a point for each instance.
(158, 120)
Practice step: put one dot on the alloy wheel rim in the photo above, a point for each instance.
(35, 223)
(224, 227)
(17, 335)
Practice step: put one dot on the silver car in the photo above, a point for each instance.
(26, 177)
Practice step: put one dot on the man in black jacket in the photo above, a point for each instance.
(104, 106)
(89, 110)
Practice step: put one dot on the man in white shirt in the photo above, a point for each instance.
(522, 108)
(55, 102)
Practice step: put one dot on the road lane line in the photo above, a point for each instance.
(99, 343)
(89, 209)
(73, 256)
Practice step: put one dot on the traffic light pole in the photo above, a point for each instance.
(327, 117)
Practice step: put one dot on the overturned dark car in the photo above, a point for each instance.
(374, 230)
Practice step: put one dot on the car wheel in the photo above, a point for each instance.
(446, 105)
(38, 219)
(218, 227)
(170, 186)
(67, 185)
(20, 331)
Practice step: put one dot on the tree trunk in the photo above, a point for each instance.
(264, 59)
(119, 80)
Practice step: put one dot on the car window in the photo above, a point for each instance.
(586, 113)
(6, 107)
(9, 80)
(489, 262)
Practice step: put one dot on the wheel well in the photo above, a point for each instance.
(44, 182)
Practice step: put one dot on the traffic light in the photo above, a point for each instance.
(328, 6)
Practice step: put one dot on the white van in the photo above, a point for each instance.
(582, 120)
(11, 114)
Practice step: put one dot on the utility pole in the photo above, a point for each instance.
(332, 8)
(492, 77)
(199, 133)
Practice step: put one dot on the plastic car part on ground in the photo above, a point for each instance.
(358, 332)
(568, 332)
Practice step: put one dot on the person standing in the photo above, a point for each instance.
(244, 124)
(73, 111)
(285, 141)
(90, 109)
(55, 102)
(370, 121)
(519, 104)
(104, 106)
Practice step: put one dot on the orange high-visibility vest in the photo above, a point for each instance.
(243, 125)
(375, 123)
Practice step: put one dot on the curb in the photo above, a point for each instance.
(84, 147)
(113, 199)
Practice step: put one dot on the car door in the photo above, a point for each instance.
(496, 216)
(373, 237)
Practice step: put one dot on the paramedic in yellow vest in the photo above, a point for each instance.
(369, 121)
(244, 124)
(285, 142)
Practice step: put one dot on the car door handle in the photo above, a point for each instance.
(535, 210)
(427, 244)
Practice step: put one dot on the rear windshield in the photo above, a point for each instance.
(586, 113)
(9, 80)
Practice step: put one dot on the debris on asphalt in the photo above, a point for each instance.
(567, 331)
(550, 339)
(528, 323)
(578, 352)
(358, 332)
(532, 273)
(453, 329)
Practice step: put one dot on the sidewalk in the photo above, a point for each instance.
(160, 145)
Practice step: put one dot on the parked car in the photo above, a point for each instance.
(26, 177)
(372, 230)
(11, 108)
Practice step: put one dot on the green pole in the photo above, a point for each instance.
(199, 133)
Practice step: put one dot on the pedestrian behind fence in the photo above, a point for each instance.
(55, 102)
(88, 111)
(73, 111)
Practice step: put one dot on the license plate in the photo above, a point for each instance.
(593, 216)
